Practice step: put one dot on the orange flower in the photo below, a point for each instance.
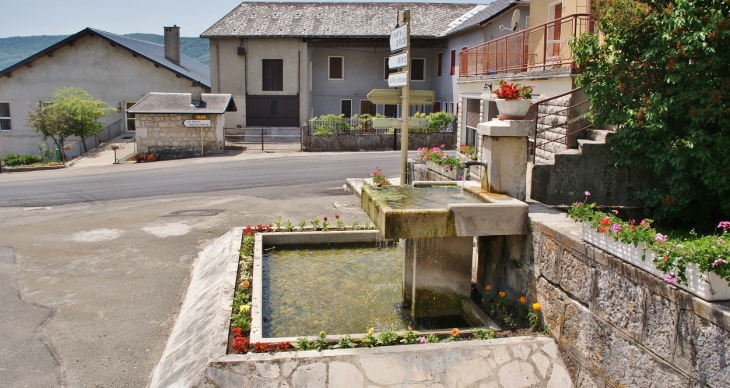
(454, 332)
(536, 306)
(522, 300)
(606, 221)
(488, 287)
(502, 294)
(245, 284)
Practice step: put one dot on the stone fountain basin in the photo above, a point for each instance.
(494, 215)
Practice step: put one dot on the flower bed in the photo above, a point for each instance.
(436, 160)
(697, 264)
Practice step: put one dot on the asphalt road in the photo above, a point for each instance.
(190, 176)
(94, 262)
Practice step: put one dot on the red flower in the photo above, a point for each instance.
(606, 221)
(284, 345)
(261, 347)
(240, 345)
(633, 227)
(601, 230)
(236, 332)
(337, 216)
(324, 218)
(248, 231)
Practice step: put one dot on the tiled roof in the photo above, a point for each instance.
(155, 53)
(267, 19)
(487, 13)
(180, 103)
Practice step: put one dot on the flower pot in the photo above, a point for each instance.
(512, 109)
(699, 284)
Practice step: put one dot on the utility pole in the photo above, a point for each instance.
(405, 17)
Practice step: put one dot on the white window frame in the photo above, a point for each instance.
(329, 72)
(346, 99)
(8, 118)
(527, 21)
(424, 70)
(126, 116)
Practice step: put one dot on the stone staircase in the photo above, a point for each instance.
(560, 125)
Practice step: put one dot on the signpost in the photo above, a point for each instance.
(393, 97)
(398, 79)
(196, 123)
(400, 37)
(387, 123)
(398, 60)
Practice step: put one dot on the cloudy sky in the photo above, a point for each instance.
(65, 17)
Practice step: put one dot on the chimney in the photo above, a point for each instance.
(172, 44)
(196, 94)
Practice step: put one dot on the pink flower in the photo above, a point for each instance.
(669, 279)
(725, 225)
(614, 211)
(443, 145)
(588, 193)
(660, 238)
(616, 228)
(719, 261)
(324, 218)
(579, 204)
(446, 167)
(422, 340)
(642, 223)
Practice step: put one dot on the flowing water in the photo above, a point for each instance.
(422, 197)
(339, 289)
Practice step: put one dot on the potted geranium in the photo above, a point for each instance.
(513, 100)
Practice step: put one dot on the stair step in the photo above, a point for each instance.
(542, 161)
(552, 109)
(561, 101)
(599, 135)
(581, 142)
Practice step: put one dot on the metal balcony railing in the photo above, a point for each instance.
(541, 47)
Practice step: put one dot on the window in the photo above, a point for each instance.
(391, 111)
(437, 106)
(274, 107)
(130, 116)
(336, 68)
(439, 58)
(367, 107)
(272, 74)
(346, 108)
(5, 116)
(388, 70)
(453, 62)
(418, 69)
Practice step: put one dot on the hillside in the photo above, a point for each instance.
(17, 48)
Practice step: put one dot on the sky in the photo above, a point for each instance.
(65, 17)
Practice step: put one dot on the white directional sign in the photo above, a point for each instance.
(398, 60)
(385, 123)
(196, 123)
(399, 38)
(394, 97)
(398, 79)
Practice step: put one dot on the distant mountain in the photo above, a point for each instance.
(17, 48)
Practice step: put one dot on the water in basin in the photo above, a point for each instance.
(422, 197)
(341, 289)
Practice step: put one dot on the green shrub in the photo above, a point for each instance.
(331, 125)
(12, 160)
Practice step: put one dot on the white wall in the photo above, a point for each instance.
(108, 73)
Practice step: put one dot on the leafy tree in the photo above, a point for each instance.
(83, 110)
(51, 123)
(660, 74)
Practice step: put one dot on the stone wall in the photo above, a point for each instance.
(165, 135)
(616, 325)
(375, 142)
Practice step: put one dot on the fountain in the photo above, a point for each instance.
(439, 225)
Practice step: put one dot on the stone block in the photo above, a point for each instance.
(383, 370)
(550, 261)
(620, 302)
(310, 376)
(553, 304)
(621, 361)
(519, 374)
(660, 326)
(703, 350)
(344, 375)
(576, 277)
(466, 373)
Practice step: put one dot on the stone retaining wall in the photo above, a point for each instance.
(616, 325)
(375, 142)
(165, 135)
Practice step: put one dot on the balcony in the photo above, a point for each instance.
(543, 47)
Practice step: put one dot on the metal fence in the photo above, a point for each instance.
(541, 47)
(123, 151)
(343, 126)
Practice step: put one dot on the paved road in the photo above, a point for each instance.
(94, 262)
(188, 176)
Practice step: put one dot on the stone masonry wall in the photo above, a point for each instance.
(618, 326)
(164, 134)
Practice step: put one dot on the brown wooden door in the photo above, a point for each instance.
(367, 107)
(556, 29)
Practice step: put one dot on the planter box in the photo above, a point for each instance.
(454, 174)
(699, 284)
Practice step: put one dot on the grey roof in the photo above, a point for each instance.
(155, 53)
(267, 19)
(488, 13)
(180, 103)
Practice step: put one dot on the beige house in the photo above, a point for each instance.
(113, 68)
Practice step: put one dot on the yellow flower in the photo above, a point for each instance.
(522, 300)
(371, 331)
(244, 308)
(502, 294)
(454, 332)
(322, 334)
(488, 287)
(536, 306)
